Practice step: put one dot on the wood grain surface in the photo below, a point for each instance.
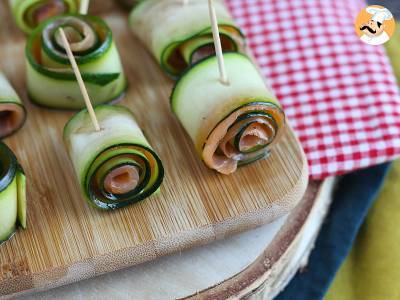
(67, 241)
(246, 264)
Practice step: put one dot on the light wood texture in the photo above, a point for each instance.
(68, 241)
(238, 265)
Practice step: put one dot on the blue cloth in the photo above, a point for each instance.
(352, 199)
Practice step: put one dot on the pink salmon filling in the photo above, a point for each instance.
(122, 180)
(11, 118)
(261, 132)
(48, 10)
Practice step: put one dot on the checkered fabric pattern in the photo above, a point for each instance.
(339, 94)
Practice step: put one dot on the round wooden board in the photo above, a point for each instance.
(255, 264)
(68, 241)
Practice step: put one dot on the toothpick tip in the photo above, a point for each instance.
(84, 6)
(224, 81)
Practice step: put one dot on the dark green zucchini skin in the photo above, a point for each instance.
(119, 98)
(9, 236)
(128, 4)
(174, 74)
(133, 198)
(8, 169)
(8, 166)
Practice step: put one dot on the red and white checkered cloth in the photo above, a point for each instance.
(339, 94)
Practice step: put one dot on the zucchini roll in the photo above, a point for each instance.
(50, 78)
(28, 14)
(12, 112)
(115, 166)
(230, 125)
(12, 194)
(179, 35)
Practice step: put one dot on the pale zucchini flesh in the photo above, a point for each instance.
(21, 198)
(12, 194)
(8, 211)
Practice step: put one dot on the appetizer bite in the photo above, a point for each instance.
(180, 34)
(12, 194)
(28, 14)
(12, 112)
(230, 124)
(50, 79)
(115, 166)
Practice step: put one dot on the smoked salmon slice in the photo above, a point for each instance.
(12, 111)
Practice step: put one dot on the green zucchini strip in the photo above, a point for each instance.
(230, 125)
(116, 166)
(180, 35)
(12, 111)
(50, 79)
(28, 14)
(12, 194)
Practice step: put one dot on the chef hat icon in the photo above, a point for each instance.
(379, 14)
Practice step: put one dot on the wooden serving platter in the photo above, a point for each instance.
(245, 266)
(67, 241)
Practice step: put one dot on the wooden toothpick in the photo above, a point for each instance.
(217, 43)
(83, 8)
(80, 80)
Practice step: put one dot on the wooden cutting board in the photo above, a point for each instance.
(245, 265)
(67, 241)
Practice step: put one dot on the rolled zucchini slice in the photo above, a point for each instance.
(180, 35)
(50, 79)
(12, 194)
(230, 125)
(12, 111)
(28, 14)
(116, 166)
